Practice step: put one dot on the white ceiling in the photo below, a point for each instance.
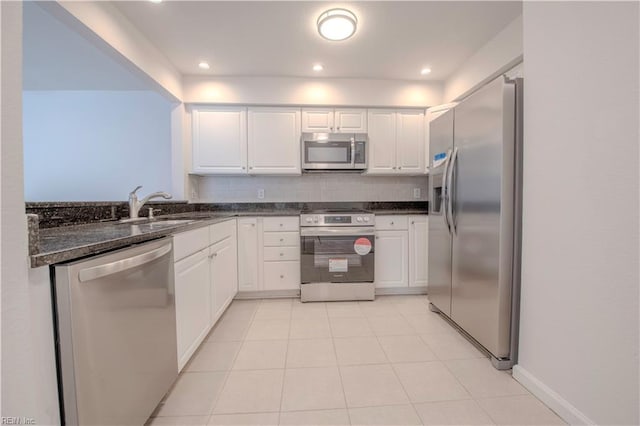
(264, 38)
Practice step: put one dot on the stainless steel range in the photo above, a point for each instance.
(337, 255)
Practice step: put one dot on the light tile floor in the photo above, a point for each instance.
(388, 362)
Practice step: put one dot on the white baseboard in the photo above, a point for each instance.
(400, 291)
(551, 398)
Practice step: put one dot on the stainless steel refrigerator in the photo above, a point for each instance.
(474, 217)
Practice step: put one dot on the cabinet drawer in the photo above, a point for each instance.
(288, 223)
(220, 231)
(281, 253)
(279, 239)
(282, 275)
(391, 222)
(186, 243)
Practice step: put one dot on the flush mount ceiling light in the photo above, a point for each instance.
(155, 1)
(318, 67)
(425, 71)
(337, 24)
(204, 65)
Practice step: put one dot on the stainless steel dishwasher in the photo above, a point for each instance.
(116, 334)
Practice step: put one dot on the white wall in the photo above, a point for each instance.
(309, 91)
(311, 187)
(17, 356)
(108, 29)
(499, 54)
(579, 316)
(103, 144)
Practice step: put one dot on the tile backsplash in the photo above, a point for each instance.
(311, 187)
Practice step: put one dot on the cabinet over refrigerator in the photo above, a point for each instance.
(474, 217)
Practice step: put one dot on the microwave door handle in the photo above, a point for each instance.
(353, 153)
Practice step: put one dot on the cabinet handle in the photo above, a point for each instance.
(250, 168)
(399, 168)
(391, 223)
(253, 224)
(281, 276)
(377, 238)
(412, 222)
(281, 224)
(211, 256)
(243, 167)
(281, 239)
(394, 167)
(281, 254)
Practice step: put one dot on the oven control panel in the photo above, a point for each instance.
(352, 219)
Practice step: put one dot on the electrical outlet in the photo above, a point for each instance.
(416, 192)
(261, 193)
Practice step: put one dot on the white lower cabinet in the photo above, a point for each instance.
(391, 259)
(282, 275)
(224, 271)
(205, 278)
(193, 303)
(401, 251)
(269, 253)
(248, 254)
(418, 250)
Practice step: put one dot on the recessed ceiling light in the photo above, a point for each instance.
(155, 1)
(318, 67)
(425, 71)
(337, 24)
(204, 65)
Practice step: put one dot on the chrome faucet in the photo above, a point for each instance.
(135, 205)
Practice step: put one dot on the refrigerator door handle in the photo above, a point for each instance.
(450, 221)
(445, 191)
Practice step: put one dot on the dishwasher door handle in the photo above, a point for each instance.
(100, 271)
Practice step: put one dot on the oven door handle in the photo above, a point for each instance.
(327, 232)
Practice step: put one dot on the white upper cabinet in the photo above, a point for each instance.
(410, 142)
(318, 120)
(274, 140)
(219, 140)
(396, 142)
(382, 141)
(339, 120)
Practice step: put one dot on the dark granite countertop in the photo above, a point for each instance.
(71, 242)
(62, 244)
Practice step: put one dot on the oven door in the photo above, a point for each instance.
(337, 255)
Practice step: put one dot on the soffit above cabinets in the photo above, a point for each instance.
(394, 39)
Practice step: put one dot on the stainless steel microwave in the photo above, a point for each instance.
(334, 151)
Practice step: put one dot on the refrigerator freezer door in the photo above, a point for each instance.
(482, 195)
(440, 147)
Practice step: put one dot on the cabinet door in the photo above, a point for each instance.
(282, 275)
(248, 259)
(317, 120)
(224, 274)
(382, 141)
(418, 251)
(220, 140)
(410, 142)
(193, 308)
(274, 141)
(351, 120)
(391, 259)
